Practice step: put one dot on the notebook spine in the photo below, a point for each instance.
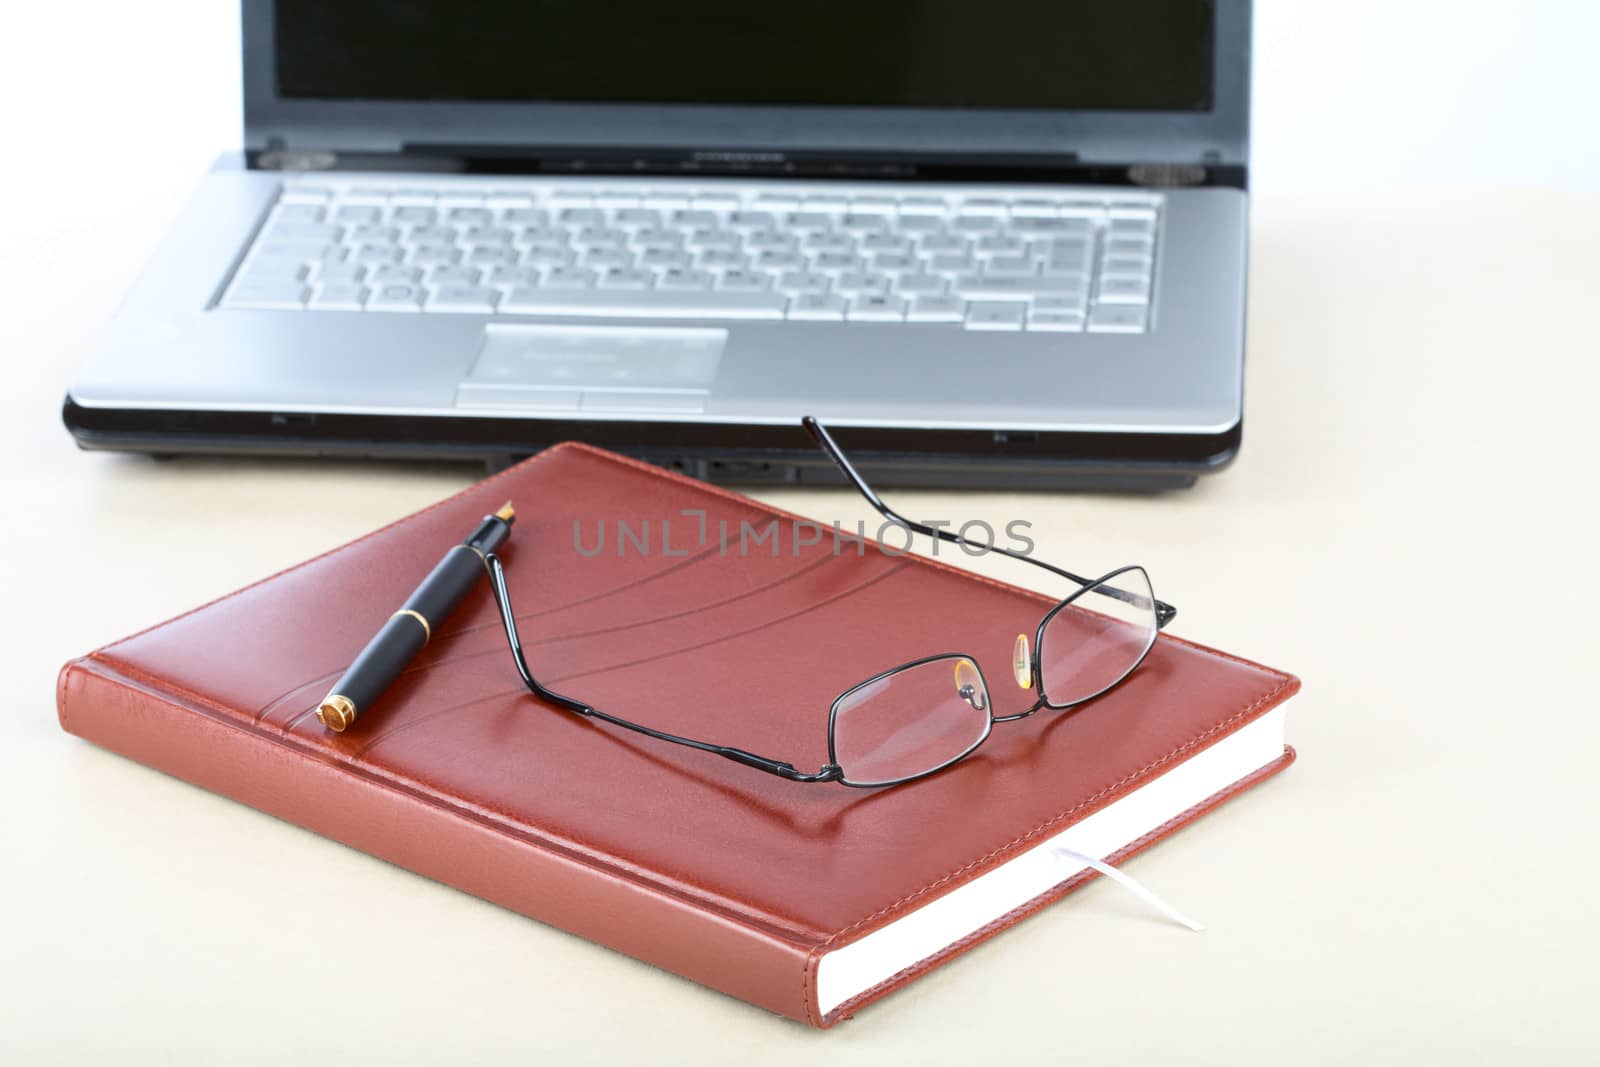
(162, 730)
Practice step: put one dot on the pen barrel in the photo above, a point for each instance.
(447, 585)
(401, 638)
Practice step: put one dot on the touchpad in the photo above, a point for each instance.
(593, 368)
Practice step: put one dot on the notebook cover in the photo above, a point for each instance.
(725, 875)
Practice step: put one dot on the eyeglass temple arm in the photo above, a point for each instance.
(1164, 612)
(502, 599)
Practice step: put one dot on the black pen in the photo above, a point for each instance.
(408, 629)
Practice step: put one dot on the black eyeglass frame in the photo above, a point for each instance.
(832, 771)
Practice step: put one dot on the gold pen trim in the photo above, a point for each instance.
(427, 631)
(336, 712)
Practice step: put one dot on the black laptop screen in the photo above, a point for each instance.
(1150, 55)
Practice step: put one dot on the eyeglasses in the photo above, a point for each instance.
(920, 717)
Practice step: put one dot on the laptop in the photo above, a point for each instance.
(990, 246)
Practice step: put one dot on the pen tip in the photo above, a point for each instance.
(507, 512)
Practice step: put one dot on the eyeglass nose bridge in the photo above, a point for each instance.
(1022, 663)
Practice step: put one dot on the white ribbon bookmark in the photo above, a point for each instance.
(1130, 884)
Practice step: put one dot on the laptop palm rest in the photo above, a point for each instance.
(593, 368)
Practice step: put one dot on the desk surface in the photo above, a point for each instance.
(1409, 528)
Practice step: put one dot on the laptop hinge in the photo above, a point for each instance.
(276, 157)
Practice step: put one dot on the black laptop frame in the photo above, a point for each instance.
(1216, 138)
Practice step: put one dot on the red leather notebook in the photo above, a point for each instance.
(808, 899)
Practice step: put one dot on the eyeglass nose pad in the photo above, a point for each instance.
(969, 685)
(1022, 663)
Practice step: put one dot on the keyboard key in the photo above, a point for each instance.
(339, 296)
(808, 221)
(976, 223)
(921, 205)
(488, 235)
(726, 240)
(855, 281)
(413, 215)
(864, 222)
(657, 237)
(893, 261)
(817, 307)
(570, 278)
(832, 261)
(1055, 321)
(432, 235)
(738, 280)
(1067, 303)
(627, 278)
(752, 220)
(934, 308)
(340, 273)
(359, 213)
(886, 242)
(430, 255)
(1129, 246)
(449, 275)
(797, 282)
(780, 261)
(289, 295)
(507, 277)
(830, 242)
(948, 263)
(395, 298)
(1117, 318)
(525, 216)
(720, 259)
(470, 216)
(1134, 266)
(772, 240)
(1052, 227)
(1020, 287)
(921, 283)
(376, 254)
(695, 219)
(601, 237)
(649, 303)
(984, 316)
(1123, 290)
(682, 278)
(638, 217)
(392, 273)
(657, 258)
(463, 298)
(877, 307)
(1001, 244)
(1002, 265)
(608, 258)
(492, 256)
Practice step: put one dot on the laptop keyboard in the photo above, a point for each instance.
(1057, 261)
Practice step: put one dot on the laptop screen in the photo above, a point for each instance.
(1058, 55)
